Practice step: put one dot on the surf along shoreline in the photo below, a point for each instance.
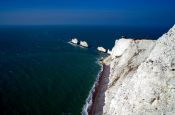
(96, 99)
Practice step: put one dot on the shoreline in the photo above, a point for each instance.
(98, 96)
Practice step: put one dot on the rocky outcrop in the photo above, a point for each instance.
(83, 43)
(101, 49)
(109, 52)
(142, 77)
(74, 41)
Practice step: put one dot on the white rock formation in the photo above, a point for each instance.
(83, 43)
(109, 52)
(101, 49)
(142, 77)
(74, 40)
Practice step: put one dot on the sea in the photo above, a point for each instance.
(41, 74)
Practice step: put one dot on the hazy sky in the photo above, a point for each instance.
(99, 12)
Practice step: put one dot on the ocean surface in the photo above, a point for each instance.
(41, 74)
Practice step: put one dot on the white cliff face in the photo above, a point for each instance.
(127, 55)
(142, 77)
(120, 46)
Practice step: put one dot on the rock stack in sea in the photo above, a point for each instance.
(101, 49)
(142, 77)
(83, 43)
(74, 41)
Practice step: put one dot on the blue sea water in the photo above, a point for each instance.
(41, 74)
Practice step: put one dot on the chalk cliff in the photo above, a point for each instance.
(142, 77)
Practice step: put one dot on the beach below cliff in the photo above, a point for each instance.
(98, 96)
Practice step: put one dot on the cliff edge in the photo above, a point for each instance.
(142, 77)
